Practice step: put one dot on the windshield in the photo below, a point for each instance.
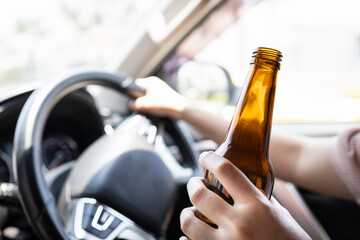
(40, 38)
(319, 78)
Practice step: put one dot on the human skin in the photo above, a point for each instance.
(252, 216)
(304, 161)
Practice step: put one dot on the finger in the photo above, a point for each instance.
(137, 104)
(278, 206)
(274, 201)
(195, 228)
(143, 83)
(146, 82)
(207, 202)
(233, 179)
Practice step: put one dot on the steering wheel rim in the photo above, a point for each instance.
(35, 197)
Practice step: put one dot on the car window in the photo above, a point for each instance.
(40, 38)
(319, 80)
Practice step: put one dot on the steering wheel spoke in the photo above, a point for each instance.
(180, 173)
(155, 135)
(95, 221)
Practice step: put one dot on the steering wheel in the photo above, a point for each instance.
(123, 186)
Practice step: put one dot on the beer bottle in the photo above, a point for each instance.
(247, 142)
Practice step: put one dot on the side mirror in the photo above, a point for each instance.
(206, 82)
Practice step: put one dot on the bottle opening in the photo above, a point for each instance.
(266, 56)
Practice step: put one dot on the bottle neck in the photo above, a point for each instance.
(251, 124)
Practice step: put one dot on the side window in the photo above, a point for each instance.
(202, 80)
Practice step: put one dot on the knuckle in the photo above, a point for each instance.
(153, 78)
(198, 195)
(186, 221)
(262, 207)
(241, 228)
(244, 231)
(257, 208)
(224, 167)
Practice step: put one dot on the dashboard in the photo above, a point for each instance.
(57, 149)
(73, 125)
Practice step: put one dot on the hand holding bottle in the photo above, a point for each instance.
(247, 143)
(252, 216)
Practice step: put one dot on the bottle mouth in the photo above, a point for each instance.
(268, 55)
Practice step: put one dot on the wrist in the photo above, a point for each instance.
(180, 111)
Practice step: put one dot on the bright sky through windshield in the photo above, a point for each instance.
(320, 40)
(41, 38)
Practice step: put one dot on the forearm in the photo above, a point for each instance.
(161, 100)
(301, 160)
(306, 162)
(209, 125)
(285, 150)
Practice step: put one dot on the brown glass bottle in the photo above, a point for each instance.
(247, 142)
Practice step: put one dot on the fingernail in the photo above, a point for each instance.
(203, 154)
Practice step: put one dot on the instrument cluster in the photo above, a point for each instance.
(57, 149)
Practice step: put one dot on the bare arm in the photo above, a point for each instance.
(301, 160)
(210, 126)
(161, 100)
(306, 162)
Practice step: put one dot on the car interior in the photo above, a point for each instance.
(77, 163)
